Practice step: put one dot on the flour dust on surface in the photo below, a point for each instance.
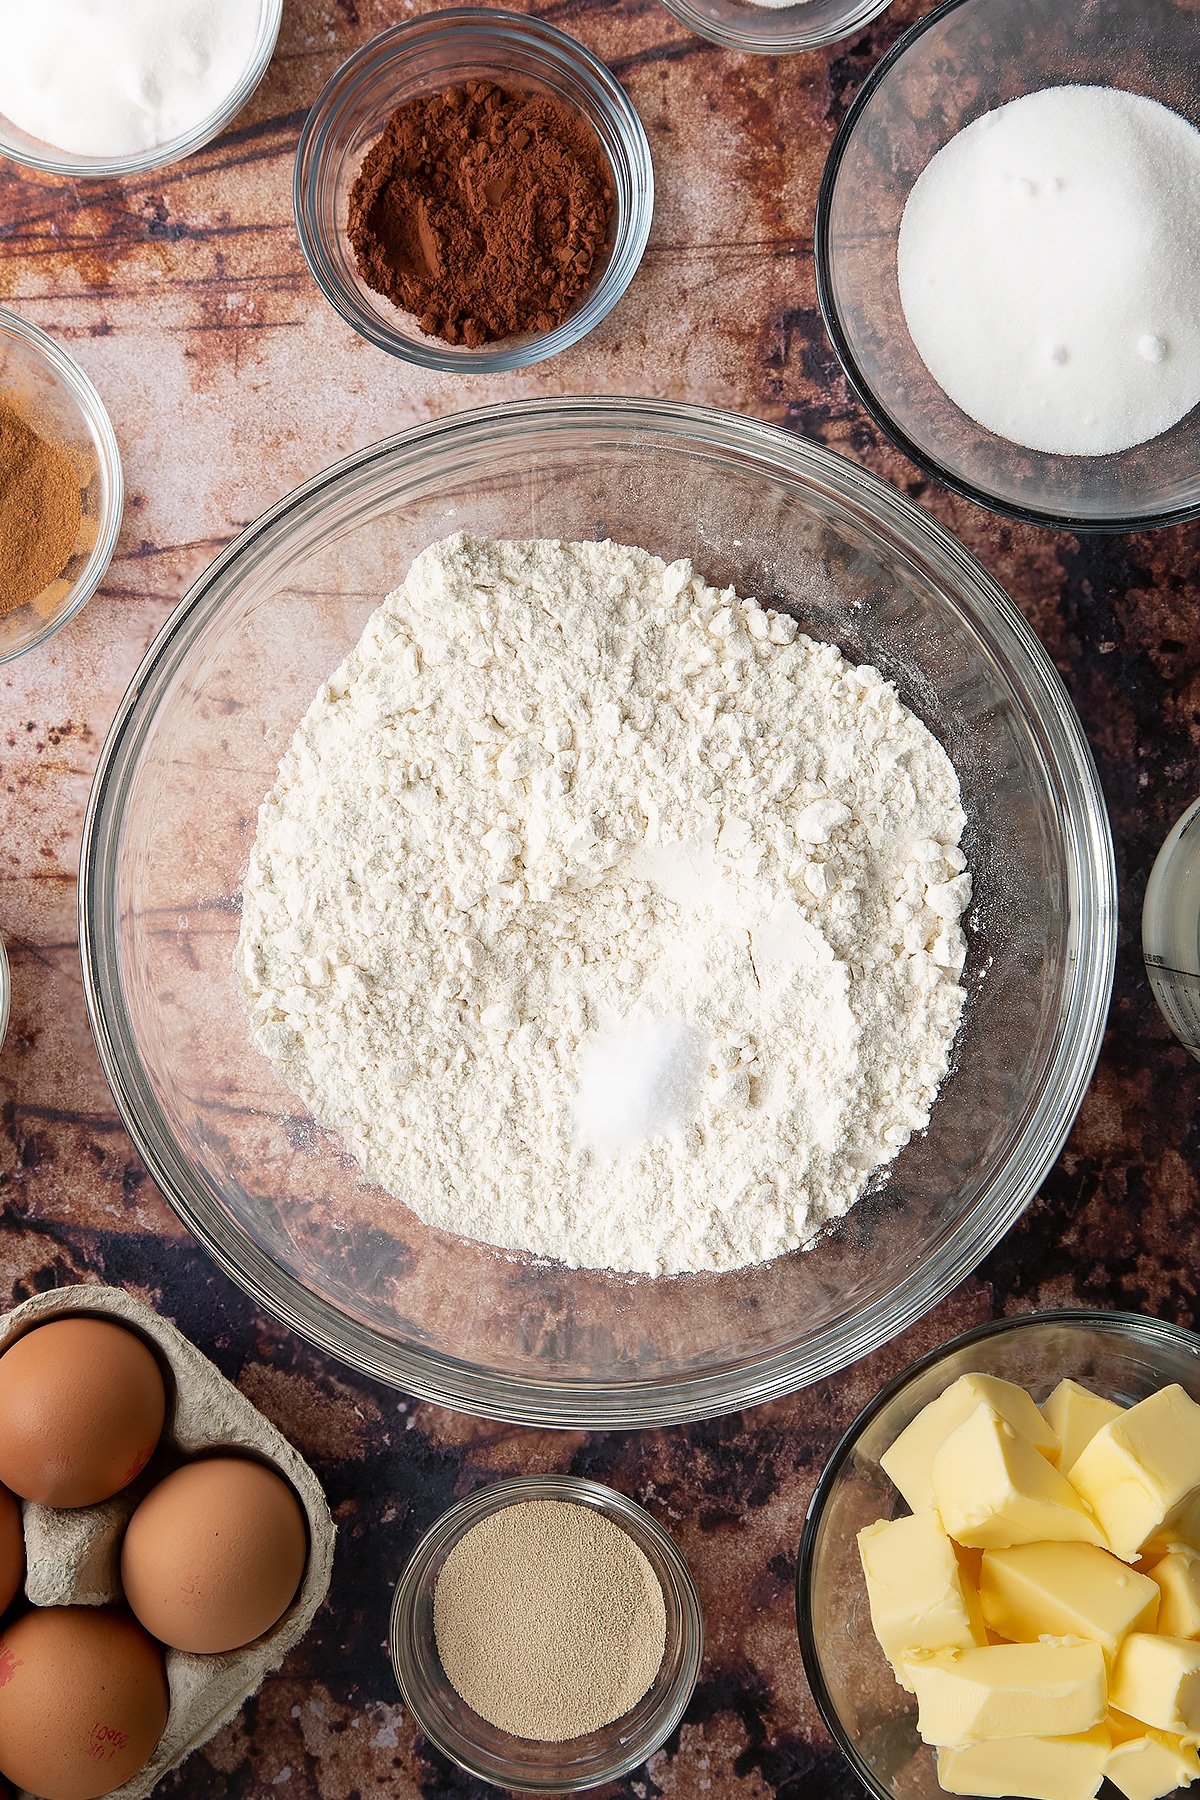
(604, 915)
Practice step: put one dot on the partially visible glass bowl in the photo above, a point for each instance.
(51, 392)
(519, 1763)
(776, 30)
(194, 750)
(34, 153)
(424, 55)
(1124, 1356)
(5, 993)
(961, 60)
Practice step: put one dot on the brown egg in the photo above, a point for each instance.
(83, 1700)
(12, 1551)
(82, 1405)
(214, 1554)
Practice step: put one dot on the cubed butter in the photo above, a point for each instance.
(1157, 1680)
(1147, 1764)
(910, 1460)
(1075, 1415)
(1183, 1528)
(1141, 1471)
(992, 1488)
(1034, 1768)
(970, 1561)
(1177, 1578)
(1065, 1590)
(918, 1595)
(1007, 1690)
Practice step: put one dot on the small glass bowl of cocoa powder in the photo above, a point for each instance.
(61, 488)
(528, 1765)
(471, 61)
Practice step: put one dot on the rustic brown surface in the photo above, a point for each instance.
(228, 379)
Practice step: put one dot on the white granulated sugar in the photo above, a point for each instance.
(1049, 267)
(605, 916)
(112, 77)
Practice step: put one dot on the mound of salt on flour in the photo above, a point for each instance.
(604, 915)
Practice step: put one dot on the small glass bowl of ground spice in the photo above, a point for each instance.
(473, 191)
(61, 490)
(546, 1634)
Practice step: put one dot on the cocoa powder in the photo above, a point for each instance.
(482, 211)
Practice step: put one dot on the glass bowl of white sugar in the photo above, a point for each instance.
(105, 89)
(1008, 254)
(776, 27)
(401, 1279)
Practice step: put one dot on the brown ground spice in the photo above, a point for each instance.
(482, 212)
(40, 511)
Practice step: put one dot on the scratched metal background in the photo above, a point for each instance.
(229, 381)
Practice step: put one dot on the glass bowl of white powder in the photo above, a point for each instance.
(517, 1294)
(776, 27)
(110, 88)
(1008, 253)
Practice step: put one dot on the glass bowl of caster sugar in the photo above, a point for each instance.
(108, 88)
(1008, 254)
(546, 1634)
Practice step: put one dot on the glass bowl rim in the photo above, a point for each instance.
(1055, 517)
(608, 95)
(483, 1503)
(5, 992)
(1138, 1325)
(94, 414)
(176, 149)
(527, 1399)
(778, 42)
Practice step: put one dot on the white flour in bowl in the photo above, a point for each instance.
(605, 916)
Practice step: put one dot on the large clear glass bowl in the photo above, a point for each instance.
(1124, 1356)
(194, 749)
(959, 61)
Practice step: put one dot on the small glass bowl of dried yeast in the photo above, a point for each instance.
(64, 493)
(563, 1611)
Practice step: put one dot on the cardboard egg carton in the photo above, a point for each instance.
(73, 1557)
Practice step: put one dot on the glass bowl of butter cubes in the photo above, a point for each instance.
(998, 1586)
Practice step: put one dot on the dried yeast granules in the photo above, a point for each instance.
(482, 212)
(549, 1620)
